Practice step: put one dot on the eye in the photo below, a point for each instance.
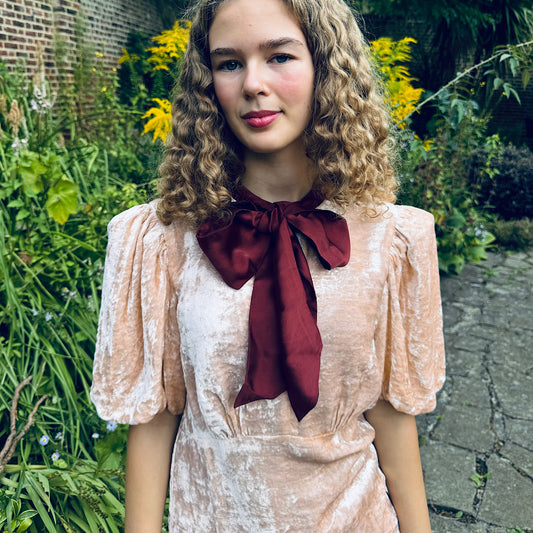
(229, 65)
(281, 58)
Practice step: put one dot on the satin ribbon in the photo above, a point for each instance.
(259, 239)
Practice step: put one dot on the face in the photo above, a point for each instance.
(263, 74)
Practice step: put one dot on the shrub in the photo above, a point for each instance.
(508, 192)
(434, 178)
(513, 234)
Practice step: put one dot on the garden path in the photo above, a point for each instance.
(477, 446)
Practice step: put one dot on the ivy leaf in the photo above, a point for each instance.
(62, 200)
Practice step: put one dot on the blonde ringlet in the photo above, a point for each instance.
(347, 139)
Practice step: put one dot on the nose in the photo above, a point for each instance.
(255, 81)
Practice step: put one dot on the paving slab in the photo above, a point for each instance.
(514, 388)
(463, 363)
(520, 457)
(446, 472)
(466, 427)
(469, 392)
(520, 432)
(507, 500)
(484, 414)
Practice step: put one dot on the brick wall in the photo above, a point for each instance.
(29, 25)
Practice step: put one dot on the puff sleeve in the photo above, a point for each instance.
(409, 336)
(137, 368)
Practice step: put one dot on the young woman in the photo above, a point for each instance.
(273, 295)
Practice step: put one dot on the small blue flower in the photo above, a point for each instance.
(95, 435)
(48, 316)
(59, 435)
(111, 426)
(44, 440)
(34, 312)
(55, 456)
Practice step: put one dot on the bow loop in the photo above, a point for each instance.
(284, 344)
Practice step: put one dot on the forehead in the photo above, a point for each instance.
(241, 21)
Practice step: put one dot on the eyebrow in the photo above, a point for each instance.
(267, 45)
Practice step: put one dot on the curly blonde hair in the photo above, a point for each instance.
(347, 138)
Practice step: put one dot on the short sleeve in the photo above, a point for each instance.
(409, 336)
(137, 369)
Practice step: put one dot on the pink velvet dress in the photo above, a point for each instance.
(173, 335)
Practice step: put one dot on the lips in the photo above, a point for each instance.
(260, 119)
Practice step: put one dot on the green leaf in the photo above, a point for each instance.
(31, 170)
(16, 203)
(513, 63)
(526, 76)
(24, 525)
(39, 505)
(497, 83)
(22, 214)
(505, 56)
(62, 200)
(457, 220)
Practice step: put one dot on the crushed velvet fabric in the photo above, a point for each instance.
(260, 240)
(173, 334)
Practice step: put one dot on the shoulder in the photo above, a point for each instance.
(135, 218)
(407, 221)
(142, 221)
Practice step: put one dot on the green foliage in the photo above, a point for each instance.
(480, 479)
(452, 32)
(434, 178)
(508, 190)
(513, 234)
(57, 196)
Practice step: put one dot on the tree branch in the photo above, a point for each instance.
(14, 438)
(461, 75)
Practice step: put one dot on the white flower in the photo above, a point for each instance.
(34, 312)
(44, 440)
(18, 144)
(48, 316)
(111, 426)
(95, 435)
(55, 456)
(59, 435)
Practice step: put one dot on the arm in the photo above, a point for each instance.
(147, 472)
(399, 458)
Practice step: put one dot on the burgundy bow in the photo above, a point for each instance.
(259, 239)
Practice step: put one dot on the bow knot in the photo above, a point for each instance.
(260, 239)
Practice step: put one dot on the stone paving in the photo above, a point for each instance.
(477, 446)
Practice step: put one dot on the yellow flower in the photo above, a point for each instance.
(99, 55)
(401, 96)
(104, 89)
(171, 45)
(160, 123)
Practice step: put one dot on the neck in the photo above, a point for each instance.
(278, 177)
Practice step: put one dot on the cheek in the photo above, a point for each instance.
(297, 87)
(225, 95)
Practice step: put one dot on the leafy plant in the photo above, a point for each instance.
(56, 199)
(434, 178)
(513, 234)
(480, 479)
(391, 57)
(508, 191)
